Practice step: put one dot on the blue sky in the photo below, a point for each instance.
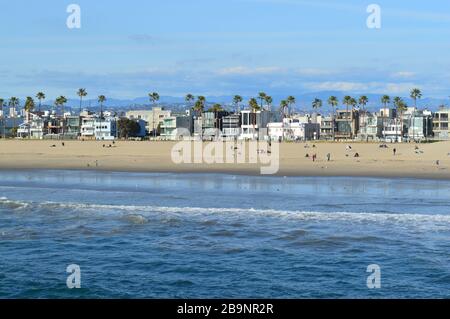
(128, 48)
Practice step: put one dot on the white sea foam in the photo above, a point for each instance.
(147, 211)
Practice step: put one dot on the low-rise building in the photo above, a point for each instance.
(105, 129)
(441, 127)
(154, 118)
(347, 124)
(177, 126)
(231, 126)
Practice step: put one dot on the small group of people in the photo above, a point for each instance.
(314, 157)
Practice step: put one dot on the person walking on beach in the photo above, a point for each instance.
(314, 157)
(328, 157)
(395, 151)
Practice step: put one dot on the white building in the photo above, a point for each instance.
(154, 118)
(293, 130)
(105, 129)
(88, 127)
(393, 131)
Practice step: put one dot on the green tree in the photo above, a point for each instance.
(385, 100)
(154, 98)
(333, 102)
(40, 96)
(262, 97)
(199, 106)
(253, 105)
(128, 128)
(81, 93)
(401, 107)
(291, 102)
(269, 101)
(416, 94)
(284, 106)
(189, 98)
(362, 101)
(14, 102)
(29, 107)
(61, 102)
(237, 100)
(216, 108)
(317, 104)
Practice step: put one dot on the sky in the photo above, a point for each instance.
(126, 49)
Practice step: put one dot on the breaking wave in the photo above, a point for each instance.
(140, 213)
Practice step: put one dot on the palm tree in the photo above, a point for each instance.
(81, 93)
(291, 101)
(284, 105)
(216, 108)
(385, 100)
(14, 103)
(28, 107)
(101, 100)
(40, 96)
(2, 101)
(348, 100)
(399, 104)
(269, 101)
(362, 101)
(154, 98)
(262, 97)
(317, 104)
(333, 102)
(189, 98)
(253, 105)
(415, 95)
(61, 101)
(237, 99)
(199, 106)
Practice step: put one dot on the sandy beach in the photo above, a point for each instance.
(147, 156)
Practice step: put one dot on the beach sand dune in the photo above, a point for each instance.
(428, 161)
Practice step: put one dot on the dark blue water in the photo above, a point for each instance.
(218, 236)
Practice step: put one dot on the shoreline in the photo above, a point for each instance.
(418, 177)
(155, 157)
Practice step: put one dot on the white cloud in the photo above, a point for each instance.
(358, 87)
(403, 75)
(337, 86)
(241, 70)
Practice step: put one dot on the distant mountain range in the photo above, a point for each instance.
(303, 101)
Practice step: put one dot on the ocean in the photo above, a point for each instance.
(142, 235)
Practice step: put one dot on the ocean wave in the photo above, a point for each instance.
(140, 214)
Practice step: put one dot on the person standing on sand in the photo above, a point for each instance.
(395, 151)
(328, 157)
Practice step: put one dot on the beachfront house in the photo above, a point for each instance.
(154, 118)
(347, 124)
(254, 124)
(293, 130)
(177, 126)
(105, 128)
(440, 124)
(231, 126)
(88, 127)
(418, 124)
(35, 126)
(327, 126)
(72, 127)
(370, 127)
(393, 130)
